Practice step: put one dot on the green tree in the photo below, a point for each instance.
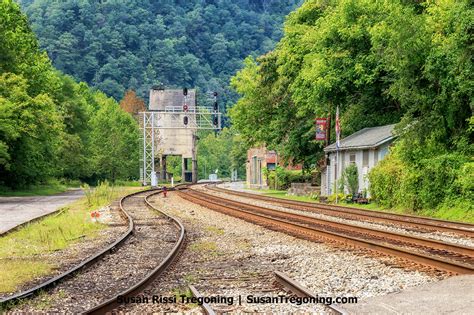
(114, 141)
(29, 133)
(51, 125)
(380, 63)
(106, 44)
(223, 151)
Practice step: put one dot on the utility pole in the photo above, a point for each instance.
(338, 135)
(327, 161)
(276, 172)
(194, 159)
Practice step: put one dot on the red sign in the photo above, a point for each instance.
(321, 128)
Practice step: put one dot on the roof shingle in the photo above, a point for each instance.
(365, 138)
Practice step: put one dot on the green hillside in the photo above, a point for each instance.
(120, 45)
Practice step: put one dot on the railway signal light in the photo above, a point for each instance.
(216, 121)
(185, 91)
(185, 120)
(216, 107)
(185, 108)
(215, 94)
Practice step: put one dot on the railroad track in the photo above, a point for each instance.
(415, 222)
(462, 253)
(259, 286)
(297, 289)
(437, 255)
(92, 259)
(122, 269)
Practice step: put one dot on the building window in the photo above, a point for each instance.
(365, 158)
(271, 166)
(352, 159)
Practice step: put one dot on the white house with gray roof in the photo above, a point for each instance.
(365, 148)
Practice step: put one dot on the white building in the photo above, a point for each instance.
(364, 148)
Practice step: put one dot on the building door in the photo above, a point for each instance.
(259, 172)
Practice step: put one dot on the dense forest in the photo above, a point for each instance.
(54, 127)
(381, 62)
(51, 126)
(121, 45)
(402, 62)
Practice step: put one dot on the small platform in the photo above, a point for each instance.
(451, 296)
(17, 210)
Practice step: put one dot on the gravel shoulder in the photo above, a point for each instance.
(221, 247)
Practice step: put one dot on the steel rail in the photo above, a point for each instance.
(301, 291)
(416, 221)
(92, 259)
(206, 307)
(300, 230)
(112, 303)
(434, 244)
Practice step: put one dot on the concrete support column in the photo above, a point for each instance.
(159, 173)
(164, 175)
(183, 170)
(156, 167)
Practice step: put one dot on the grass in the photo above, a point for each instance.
(454, 212)
(128, 183)
(214, 230)
(178, 292)
(210, 248)
(190, 278)
(27, 246)
(204, 246)
(12, 272)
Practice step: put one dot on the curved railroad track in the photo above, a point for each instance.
(437, 255)
(122, 269)
(413, 222)
(112, 303)
(89, 261)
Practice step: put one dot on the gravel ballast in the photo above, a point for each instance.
(223, 250)
(440, 236)
(152, 240)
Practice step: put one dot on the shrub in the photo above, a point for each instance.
(332, 198)
(350, 177)
(385, 181)
(285, 178)
(422, 184)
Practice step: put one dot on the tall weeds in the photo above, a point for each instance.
(102, 193)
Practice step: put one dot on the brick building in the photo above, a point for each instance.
(259, 158)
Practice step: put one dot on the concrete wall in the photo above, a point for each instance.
(256, 161)
(303, 189)
(173, 141)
